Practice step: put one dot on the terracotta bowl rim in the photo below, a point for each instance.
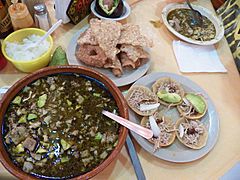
(116, 93)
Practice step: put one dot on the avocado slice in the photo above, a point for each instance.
(197, 102)
(169, 97)
(109, 8)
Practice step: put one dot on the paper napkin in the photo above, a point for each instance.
(196, 58)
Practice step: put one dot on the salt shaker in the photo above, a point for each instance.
(30, 4)
(41, 17)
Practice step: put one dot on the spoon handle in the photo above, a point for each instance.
(189, 4)
(53, 28)
(144, 132)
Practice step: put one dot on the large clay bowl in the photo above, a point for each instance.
(116, 93)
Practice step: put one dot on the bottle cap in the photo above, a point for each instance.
(40, 8)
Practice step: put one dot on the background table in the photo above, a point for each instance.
(224, 89)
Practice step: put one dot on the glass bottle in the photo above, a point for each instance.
(5, 20)
(20, 16)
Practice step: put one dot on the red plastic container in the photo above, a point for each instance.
(3, 61)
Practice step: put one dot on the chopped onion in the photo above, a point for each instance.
(186, 101)
(181, 130)
(154, 126)
(147, 107)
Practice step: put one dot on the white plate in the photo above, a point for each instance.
(3, 90)
(177, 152)
(205, 12)
(128, 77)
(125, 14)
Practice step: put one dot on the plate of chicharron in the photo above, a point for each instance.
(120, 55)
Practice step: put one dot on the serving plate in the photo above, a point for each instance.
(177, 152)
(205, 12)
(128, 76)
(3, 90)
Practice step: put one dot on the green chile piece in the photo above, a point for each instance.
(59, 57)
(41, 150)
(17, 100)
(41, 100)
(69, 103)
(51, 155)
(22, 119)
(19, 148)
(31, 116)
(46, 145)
(64, 159)
(98, 136)
(65, 144)
(197, 102)
(169, 97)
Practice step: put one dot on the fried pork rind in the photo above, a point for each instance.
(141, 95)
(131, 35)
(194, 139)
(115, 65)
(128, 63)
(175, 86)
(91, 55)
(107, 34)
(87, 38)
(133, 52)
(132, 56)
(167, 131)
(187, 110)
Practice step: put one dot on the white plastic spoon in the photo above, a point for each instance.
(142, 131)
(53, 28)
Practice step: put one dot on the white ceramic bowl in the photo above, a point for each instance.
(205, 12)
(125, 14)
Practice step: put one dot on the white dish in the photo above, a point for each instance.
(125, 14)
(177, 152)
(205, 12)
(128, 77)
(3, 90)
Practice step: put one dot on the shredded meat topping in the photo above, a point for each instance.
(192, 132)
(166, 130)
(187, 108)
(139, 97)
(170, 87)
